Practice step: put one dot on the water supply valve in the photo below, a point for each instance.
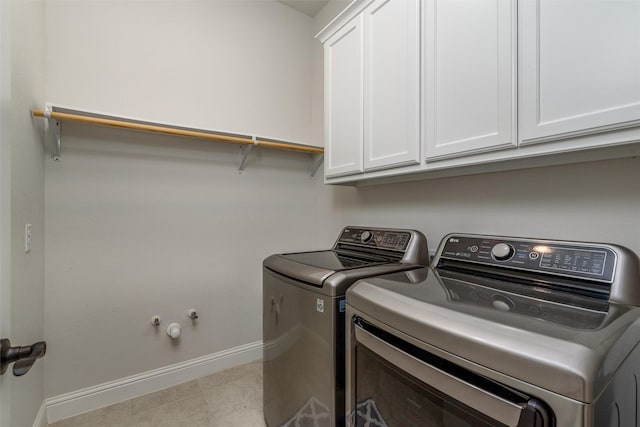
(174, 330)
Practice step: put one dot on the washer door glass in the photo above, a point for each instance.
(386, 396)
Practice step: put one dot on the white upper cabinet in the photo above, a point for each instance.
(579, 68)
(391, 83)
(470, 76)
(343, 109)
(473, 85)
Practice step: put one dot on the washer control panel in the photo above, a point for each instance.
(376, 238)
(568, 259)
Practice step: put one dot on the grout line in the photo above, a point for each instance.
(205, 399)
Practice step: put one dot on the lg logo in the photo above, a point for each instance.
(454, 240)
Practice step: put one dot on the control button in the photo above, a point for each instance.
(474, 248)
(502, 251)
(366, 236)
(534, 255)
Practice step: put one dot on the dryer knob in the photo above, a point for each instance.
(366, 236)
(502, 251)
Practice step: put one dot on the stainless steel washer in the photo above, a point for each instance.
(303, 319)
(499, 331)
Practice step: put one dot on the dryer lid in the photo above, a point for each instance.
(333, 260)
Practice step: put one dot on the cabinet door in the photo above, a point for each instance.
(391, 84)
(470, 65)
(579, 67)
(343, 62)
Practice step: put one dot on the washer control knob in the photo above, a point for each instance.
(366, 236)
(502, 251)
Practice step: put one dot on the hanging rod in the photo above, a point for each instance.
(129, 124)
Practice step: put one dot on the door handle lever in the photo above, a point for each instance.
(24, 357)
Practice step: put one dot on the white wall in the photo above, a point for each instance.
(597, 201)
(23, 154)
(140, 224)
(227, 65)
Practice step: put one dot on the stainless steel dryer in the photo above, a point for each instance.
(303, 320)
(500, 331)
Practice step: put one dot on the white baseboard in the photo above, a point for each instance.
(41, 418)
(91, 398)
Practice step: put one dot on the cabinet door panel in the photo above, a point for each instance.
(391, 81)
(343, 61)
(579, 66)
(469, 61)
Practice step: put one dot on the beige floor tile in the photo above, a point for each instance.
(231, 398)
(117, 415)
(189, 412)
(242, 394)
(240, 418)
(162, 397)
(253, 369)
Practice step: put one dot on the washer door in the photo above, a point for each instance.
(400, 385)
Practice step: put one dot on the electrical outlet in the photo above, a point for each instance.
(27, 238)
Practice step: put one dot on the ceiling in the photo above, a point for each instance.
(308, 7)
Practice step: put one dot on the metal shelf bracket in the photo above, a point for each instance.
(244, 154)
(54, 132)
(314, 165)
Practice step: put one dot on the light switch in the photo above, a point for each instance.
(27, 238)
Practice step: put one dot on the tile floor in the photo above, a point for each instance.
(231, 398)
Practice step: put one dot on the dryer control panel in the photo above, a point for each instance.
(568, 259)
(395, 240)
